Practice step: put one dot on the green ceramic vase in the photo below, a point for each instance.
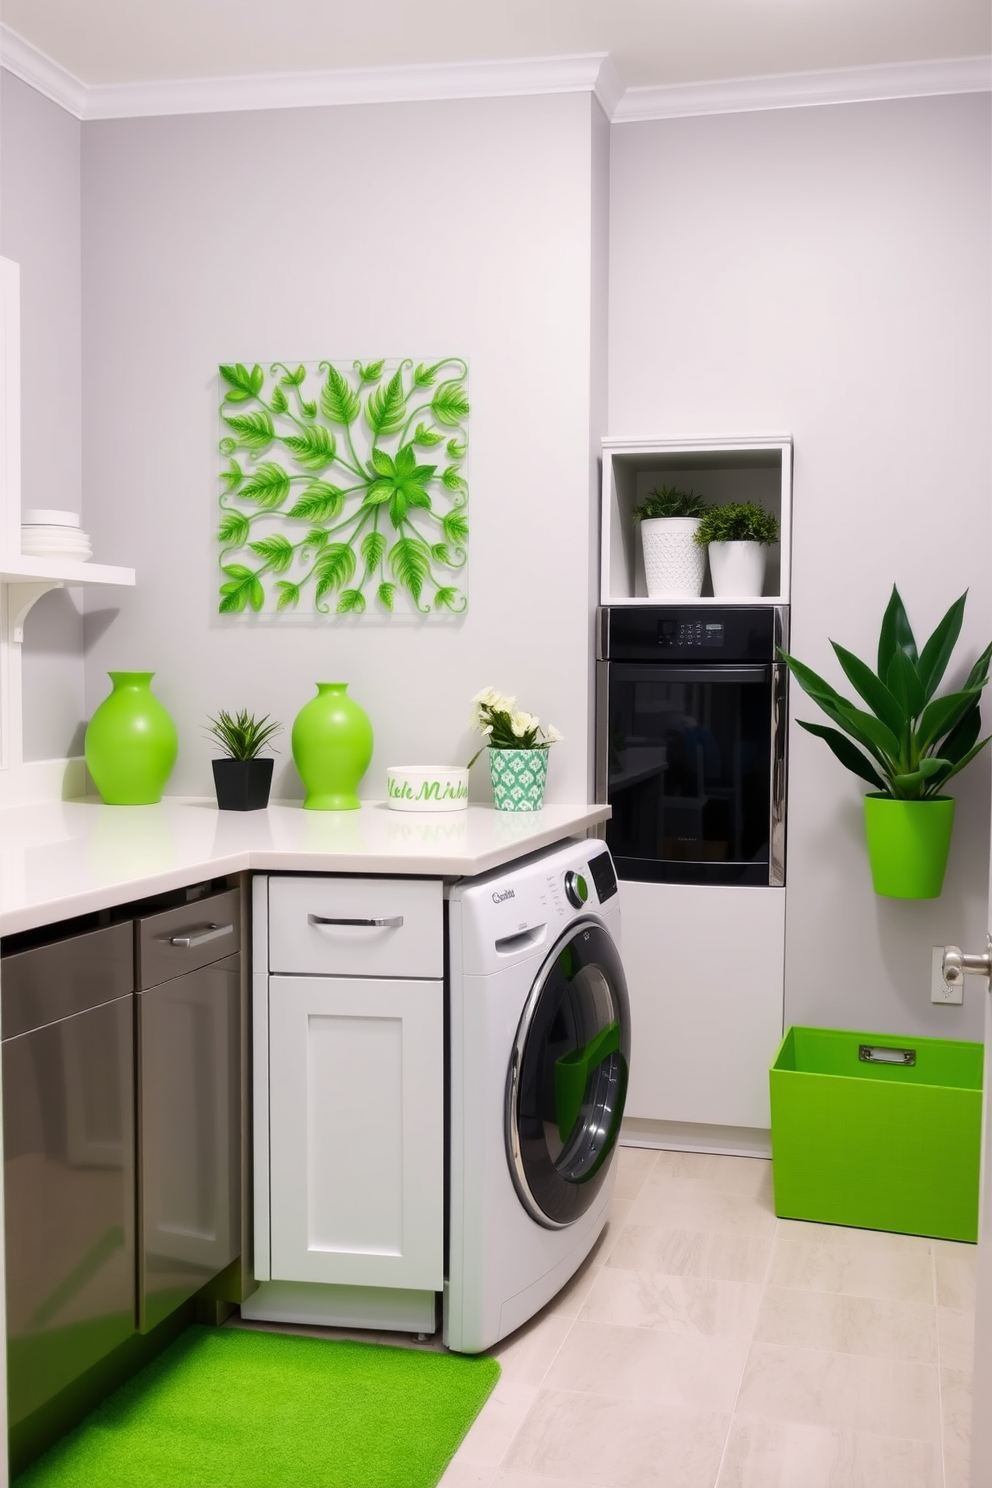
(131, 743)
(908, 844)
(332, 747)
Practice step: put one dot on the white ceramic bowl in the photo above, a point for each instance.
(62, 537)
(43, 516)
(55, 542)
(426, 787)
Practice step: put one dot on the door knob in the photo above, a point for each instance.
(955, 963)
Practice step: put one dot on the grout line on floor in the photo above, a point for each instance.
(940, 1382)
(747, 1354)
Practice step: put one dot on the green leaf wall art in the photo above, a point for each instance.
(344, 487)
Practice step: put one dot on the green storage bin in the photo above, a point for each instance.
(878, 1132)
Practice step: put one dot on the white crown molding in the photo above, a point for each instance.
(806, 89)
(39, 71)
(420, 84)
(593, 73)
(609, 87)
(529, 76)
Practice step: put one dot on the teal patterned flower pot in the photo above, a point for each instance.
(519, 777)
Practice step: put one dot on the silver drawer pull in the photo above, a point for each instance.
(199, 937)
(884, 1054)
(393, 923)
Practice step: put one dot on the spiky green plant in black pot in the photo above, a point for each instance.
(242, 779)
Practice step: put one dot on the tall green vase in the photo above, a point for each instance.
(131, 743)
(332, 746)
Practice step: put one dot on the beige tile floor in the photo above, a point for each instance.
(706, 1344)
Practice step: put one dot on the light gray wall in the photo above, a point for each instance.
(40, 230)
(599, 340)
(824, 272)
(354, 232)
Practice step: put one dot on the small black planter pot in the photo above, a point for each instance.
(242, 785)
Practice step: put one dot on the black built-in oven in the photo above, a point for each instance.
(690, 746)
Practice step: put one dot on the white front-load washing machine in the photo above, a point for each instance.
(539, 1052)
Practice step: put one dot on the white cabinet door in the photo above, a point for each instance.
(704, 968)
(356, 1111)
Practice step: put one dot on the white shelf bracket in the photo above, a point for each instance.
(22, 599)
(16, 601)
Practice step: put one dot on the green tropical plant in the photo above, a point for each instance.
(241, 735)
(910, 743)
(666, 501)
(739, 521)
(353, 508)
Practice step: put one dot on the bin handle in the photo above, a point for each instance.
(882, 1054)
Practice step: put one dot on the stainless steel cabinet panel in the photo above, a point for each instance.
(69, 1190)
(194, 935)
(54, 981)
(189, 1103)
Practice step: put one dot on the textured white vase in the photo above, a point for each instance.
(674, 563)
(737, 569)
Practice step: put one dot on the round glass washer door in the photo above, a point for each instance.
(567, 1080)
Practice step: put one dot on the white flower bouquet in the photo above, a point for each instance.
(505, 726)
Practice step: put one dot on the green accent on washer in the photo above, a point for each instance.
(568, 962)
(879, 1146)
(573, 1072)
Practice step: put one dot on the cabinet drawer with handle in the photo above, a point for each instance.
(356, 926)
(183, 939)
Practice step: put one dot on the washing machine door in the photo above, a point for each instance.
(568, 1077)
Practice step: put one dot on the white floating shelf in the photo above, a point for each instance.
(27, 570)
(691, 603)
(749, 468)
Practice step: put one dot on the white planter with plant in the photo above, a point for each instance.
(736, 538)
(518, 750)
(674, 564)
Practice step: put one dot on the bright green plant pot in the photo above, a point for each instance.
(908, 843)
(131, 743)
(332, 747)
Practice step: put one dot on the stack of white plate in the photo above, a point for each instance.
(54, 534)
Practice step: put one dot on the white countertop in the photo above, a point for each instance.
(64, 858)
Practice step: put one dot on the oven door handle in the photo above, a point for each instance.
(777, 782)
(653, 671)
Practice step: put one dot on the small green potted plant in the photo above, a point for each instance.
(736, 537)
(673, 565)
(242, 779)
(907, 746)
(518, 750)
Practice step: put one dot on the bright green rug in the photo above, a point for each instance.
(229, 1408)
